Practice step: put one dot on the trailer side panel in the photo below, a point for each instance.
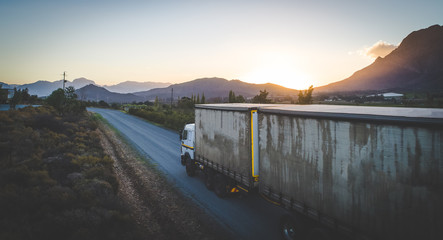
(382, 179)
(224, 142)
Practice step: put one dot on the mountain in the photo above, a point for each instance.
(215, 88)
(95, 93)
(131, 86)
(80, 82)
(416, 65)
(45, 88)
(9, 86)
(42, 88)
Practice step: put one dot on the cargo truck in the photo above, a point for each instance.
(346, 171)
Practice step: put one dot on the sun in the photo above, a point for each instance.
(278, 70)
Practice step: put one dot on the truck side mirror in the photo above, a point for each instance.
(181, 136)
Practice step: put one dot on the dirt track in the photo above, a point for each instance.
(160, 210)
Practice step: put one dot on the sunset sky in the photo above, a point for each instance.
(290, 43)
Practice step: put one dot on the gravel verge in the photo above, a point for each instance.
(159, 209)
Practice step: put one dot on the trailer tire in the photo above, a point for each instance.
(190, 167)
(209, 179)
(291, 228)
(221, 186)
(183, 160)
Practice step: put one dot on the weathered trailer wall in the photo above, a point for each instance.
(386, 180)
(223, 137)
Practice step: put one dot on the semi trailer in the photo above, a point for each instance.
(346, 171)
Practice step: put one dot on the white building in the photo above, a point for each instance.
(392, 95)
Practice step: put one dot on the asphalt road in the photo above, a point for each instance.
(246, 217)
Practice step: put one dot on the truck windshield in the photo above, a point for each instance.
(185, 134)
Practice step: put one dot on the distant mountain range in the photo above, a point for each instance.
(215, 88)
(416, 65)
(131, 86)
(95, 94)
(45, 88)
(210, 87)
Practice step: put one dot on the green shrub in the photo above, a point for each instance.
(174, 119)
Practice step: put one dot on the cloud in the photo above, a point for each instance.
(379, 49)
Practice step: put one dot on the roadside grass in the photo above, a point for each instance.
(56, 180)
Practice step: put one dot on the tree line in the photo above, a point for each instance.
(304, 97)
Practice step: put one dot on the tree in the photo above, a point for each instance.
(305, 97)
(203, 100)
(231, 98)
(262, 97)
(70, 93)
(21, 96)
(235, 99)
(56, 100)
(186, 103)
(156, 102)
(240, 99)
(16, 98)
(102, 103)
(3, 95)
(115, 105)
(65, 101)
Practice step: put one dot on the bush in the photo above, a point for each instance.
(174, 119)
(55, 180)
(65, 101)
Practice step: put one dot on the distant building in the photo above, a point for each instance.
(389, 95)
(6, 94)
(3, 95)
(392, 95)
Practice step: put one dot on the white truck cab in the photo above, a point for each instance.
(187, 143)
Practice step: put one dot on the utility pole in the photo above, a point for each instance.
(64, 81)
(172, 96)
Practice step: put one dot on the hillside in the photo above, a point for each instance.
(131, 86)
(95, 93)
(416, 65)
(216, 88)
(45, 88)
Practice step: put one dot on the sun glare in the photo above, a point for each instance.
(280, 71)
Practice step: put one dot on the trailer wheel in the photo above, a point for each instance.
(190, 167)
(209, 179)
(291, 228)
(221, 186)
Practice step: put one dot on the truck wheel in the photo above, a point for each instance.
(190, 167)
(209, 179)
(183, 160)
(221, 187)
(291, 228)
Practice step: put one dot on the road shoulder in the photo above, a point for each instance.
(160, 210)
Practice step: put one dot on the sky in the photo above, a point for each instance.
(291, 43)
